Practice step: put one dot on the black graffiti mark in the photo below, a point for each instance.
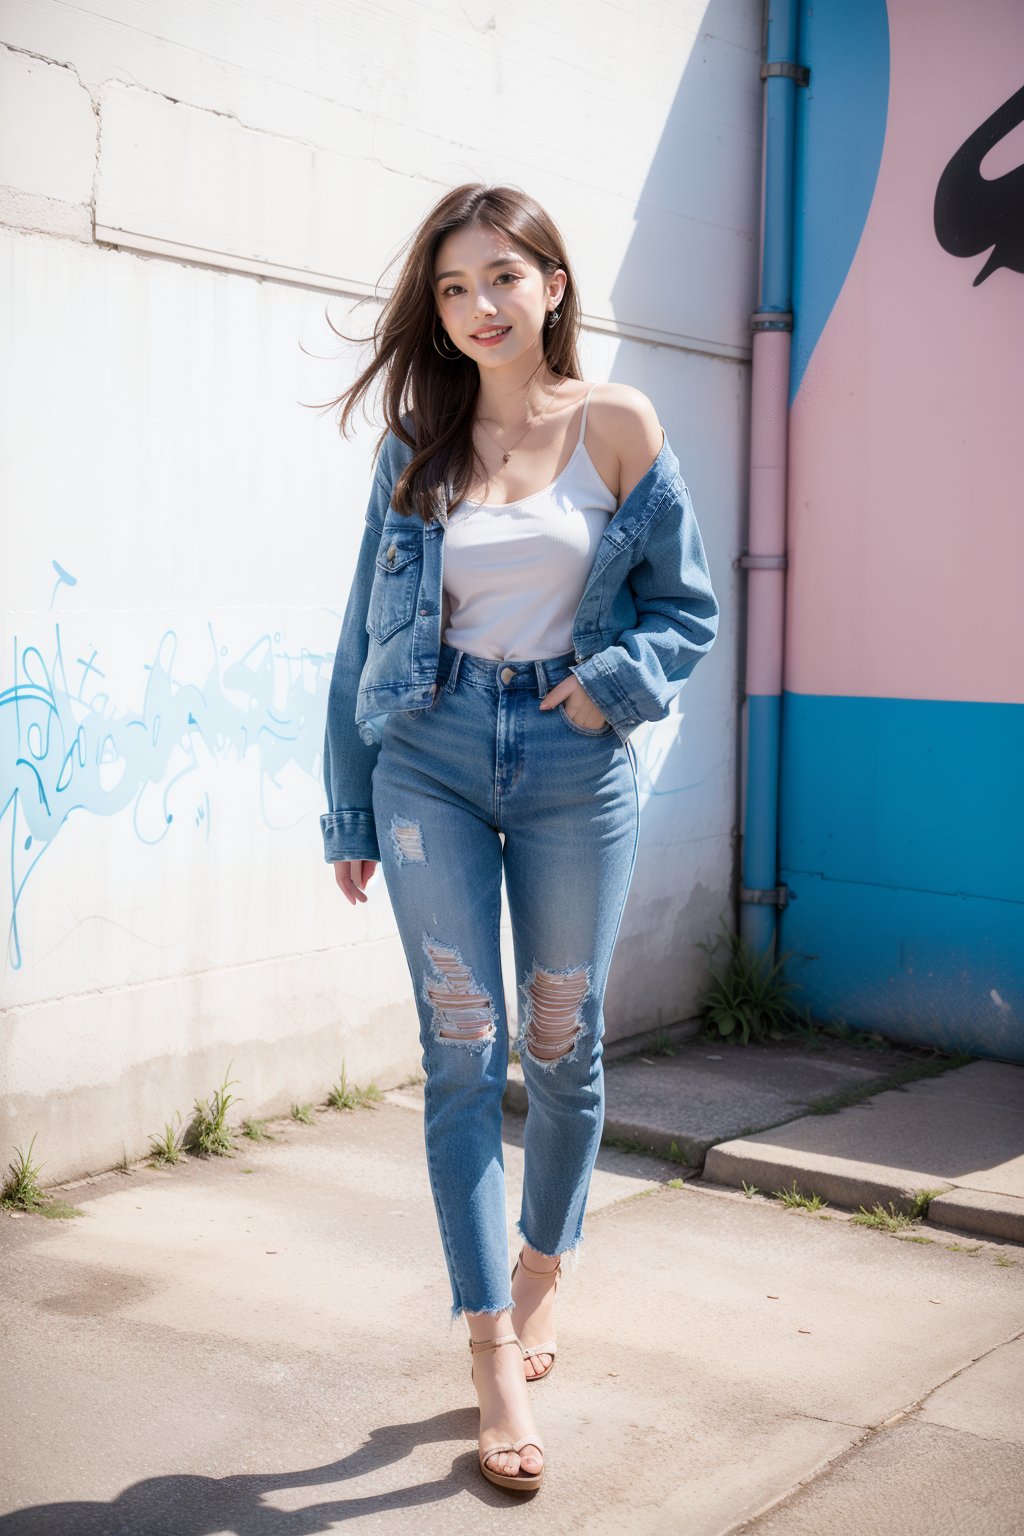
(973, 213)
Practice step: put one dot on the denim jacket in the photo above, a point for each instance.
(646, 617)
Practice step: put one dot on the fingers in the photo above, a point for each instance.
(560, 691)
(584, 711)
(352, 876)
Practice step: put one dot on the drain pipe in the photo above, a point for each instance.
(764, 560)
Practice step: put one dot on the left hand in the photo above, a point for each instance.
(581, 710)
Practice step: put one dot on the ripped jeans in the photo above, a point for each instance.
(479, 781)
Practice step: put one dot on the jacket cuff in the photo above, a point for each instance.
(349, 835)
(597, 682)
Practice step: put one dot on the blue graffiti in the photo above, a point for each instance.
(62, 751)
(64, 578)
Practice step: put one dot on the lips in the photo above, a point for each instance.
(491, 334)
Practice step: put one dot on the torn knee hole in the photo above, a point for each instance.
(462, 1010)
(407, 841)
(554, 1007)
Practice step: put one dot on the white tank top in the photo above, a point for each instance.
(514, 574)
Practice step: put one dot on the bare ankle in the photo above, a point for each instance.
(488, 1325)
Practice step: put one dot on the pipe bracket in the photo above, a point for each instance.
(771, 320)
(788, 70)
(763, 562)
(773, 896)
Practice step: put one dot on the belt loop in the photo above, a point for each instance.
(542, 678)
(449, 686)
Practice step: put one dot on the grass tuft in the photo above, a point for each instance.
(169, 1146)
(256, 1130)
(209, 1135)
(747, 998)
(303, 1113)
(343, 1096)
(22, 1191)
(793, 1199)
(922, 1200)
(882, 1220)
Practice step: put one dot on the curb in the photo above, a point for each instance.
(853, 1185)
(981, 1212)
(842, 1181)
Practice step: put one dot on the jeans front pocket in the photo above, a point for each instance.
(581, 730)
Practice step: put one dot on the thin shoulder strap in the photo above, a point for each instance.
(586, 407)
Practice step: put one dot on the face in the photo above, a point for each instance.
(484, 284)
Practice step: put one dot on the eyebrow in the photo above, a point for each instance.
(502, 261)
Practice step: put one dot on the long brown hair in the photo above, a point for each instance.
(441, 392)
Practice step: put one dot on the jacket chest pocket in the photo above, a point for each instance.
(396, 584)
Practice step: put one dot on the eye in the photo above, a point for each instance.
(445, 292)
(514, 275)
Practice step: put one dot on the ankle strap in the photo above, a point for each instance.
(478, 1344)
(531, 1271)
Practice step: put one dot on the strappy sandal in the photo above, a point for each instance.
(522, 1482)
(550, 1348)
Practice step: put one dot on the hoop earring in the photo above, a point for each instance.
(553, 315)
(447, 353)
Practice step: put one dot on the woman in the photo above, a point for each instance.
(531, 585)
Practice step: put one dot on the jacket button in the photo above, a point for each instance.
(393, 551)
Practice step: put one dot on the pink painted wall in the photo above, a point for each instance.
(906, 510)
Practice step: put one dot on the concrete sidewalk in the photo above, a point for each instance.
(740, 1115)
(261, 1346)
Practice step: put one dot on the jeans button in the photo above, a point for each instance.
(507, 674)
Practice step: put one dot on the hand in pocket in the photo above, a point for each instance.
(579, 706)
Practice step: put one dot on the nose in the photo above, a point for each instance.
(484, 306)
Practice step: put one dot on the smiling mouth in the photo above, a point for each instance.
(493, 333)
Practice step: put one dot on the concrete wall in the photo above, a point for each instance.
(184, 192)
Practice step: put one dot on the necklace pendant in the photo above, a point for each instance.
(505, 457)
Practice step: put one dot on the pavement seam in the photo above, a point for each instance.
(871, 1432)
(914, 1408)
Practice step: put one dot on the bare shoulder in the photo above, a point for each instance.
(627, 426)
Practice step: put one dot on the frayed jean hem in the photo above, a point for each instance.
(572, 1252)
(458, 1309)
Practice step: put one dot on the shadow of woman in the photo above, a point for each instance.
(189, 1505)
